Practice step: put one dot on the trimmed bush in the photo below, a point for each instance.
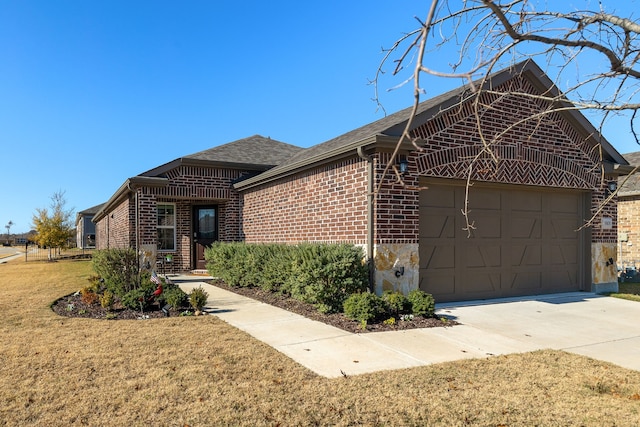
(397, 303)
(324, 275)
(422, 303)
(174, 296)
(320, 274)
(364, 307)
(198, 298)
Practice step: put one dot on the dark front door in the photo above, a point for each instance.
(205, 232)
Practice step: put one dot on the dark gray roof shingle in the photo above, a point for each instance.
(630, 186)
(256, 149)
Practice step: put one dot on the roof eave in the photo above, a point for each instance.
(340, 152)
(125, 189)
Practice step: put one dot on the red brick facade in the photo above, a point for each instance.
(327, 203)
(187, 186)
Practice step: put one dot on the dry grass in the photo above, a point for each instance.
(201, 371)
(630, 291)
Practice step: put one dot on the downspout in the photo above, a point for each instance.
(370, 190)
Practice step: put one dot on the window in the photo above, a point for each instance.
(166, 226)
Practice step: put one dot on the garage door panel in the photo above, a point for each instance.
(525, 228)
(482, 256)
(439, 197)
(443, 284)
(485, 199)
(526, 202)
(524, 242)
(564, 228)
(564, 255)
(524, 282)
(438, 257)
(530, 255)
(438, 226)
(565, 203)
(487, 227)
(481, 284)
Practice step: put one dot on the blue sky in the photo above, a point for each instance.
(92, 93)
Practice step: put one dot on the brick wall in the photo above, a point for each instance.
(397, 210)
(116, 229)
(325, 204)
(629, 224)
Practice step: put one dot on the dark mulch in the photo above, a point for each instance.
(73, 306)
(338, 320)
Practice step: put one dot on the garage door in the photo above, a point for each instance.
(524, 242)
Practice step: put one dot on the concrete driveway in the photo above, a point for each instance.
(592, 325)
(600, 327)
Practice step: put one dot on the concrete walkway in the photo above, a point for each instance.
(603, 328)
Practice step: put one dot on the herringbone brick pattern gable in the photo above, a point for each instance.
(516, 142)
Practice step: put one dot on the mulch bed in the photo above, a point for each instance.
(73, 306)
(338, 320)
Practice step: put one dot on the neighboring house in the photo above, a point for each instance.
(525, 208)
(629, 216)
(85, 228)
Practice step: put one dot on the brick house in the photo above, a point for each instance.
(175, 210)
(525, 208)
(629, 216)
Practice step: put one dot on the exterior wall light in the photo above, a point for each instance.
(403, 164)
(612, 186)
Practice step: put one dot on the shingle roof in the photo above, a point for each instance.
(254, 153)
(255, 149)
(393, 125)
(630, 186)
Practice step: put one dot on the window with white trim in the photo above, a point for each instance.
(166, 226)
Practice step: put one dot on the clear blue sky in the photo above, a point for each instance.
(95, 92)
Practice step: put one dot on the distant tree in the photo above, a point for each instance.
(54, 227)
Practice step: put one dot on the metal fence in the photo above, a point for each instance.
(35, 253)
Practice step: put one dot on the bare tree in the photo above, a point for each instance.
(591, 56)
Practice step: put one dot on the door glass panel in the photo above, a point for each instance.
(207, 223)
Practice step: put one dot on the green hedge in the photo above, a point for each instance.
(320, 274)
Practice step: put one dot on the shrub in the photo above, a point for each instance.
(364, 307)
(135, 299)
(198, 298)
(88, 296)
(320, 274)
(240, 264)
(118, 268)
(325, 275)
(174, 296)
(422, 303)
(397, 303)
(139, 296)
(107, 299)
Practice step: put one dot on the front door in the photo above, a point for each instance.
(205, 232)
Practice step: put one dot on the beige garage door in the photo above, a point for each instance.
(524, 242)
